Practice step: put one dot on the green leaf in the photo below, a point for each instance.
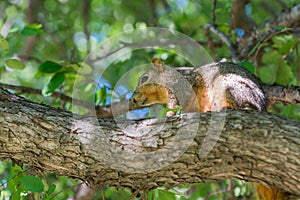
(100, 95)
(11, 11)
(54, 83)
(16, 194)
(32, 183)
(4, 47)
(38, 74)
(85, 68)
(268, 73)
(51, 189)
(285, 75)
(49, 67)
(15, 174)
(14, 64)
(2, 69)
(248, 65)
(15, 29)
(2, 166)
(200, 191)
(254, 48)
(224, 27)
(285, 43)
(280, 28)
(32, 30)
(158, 111)
(159, 194)
(271, 57)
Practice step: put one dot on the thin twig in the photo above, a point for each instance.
(134, 194)
(213, 12)
(231, 189)
(215, 193)
(265, 39)
(55, 94)
(102, 193)
(298, 61)
(153, 17)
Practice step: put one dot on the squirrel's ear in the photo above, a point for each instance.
(157, 65)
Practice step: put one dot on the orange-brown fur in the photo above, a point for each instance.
(152, 94)
(204, 102)
(266, 193)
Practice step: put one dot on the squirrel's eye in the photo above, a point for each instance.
(144, 79)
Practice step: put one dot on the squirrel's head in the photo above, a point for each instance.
(151, 89)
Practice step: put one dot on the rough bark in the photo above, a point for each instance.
(253, 146)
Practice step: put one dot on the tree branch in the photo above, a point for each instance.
(225, 39)
(86, 7)
(288, 18)
(239, 17)
(253, 146)
(278, 94)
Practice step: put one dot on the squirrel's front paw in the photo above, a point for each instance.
(170, 114)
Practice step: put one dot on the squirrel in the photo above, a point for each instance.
(208, 88)
(211, 87)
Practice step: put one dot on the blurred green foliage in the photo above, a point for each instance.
(43, 45)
